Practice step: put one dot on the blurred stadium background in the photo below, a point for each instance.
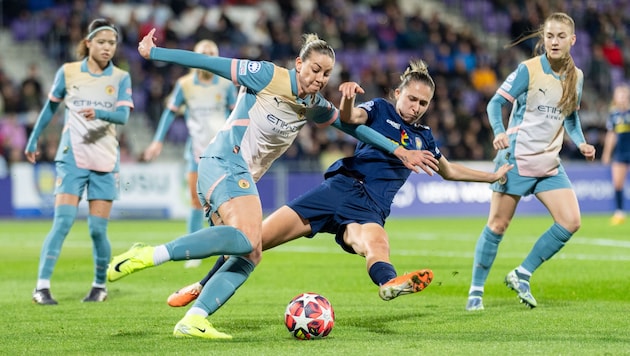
(461, 40)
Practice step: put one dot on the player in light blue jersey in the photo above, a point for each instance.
(617, 147)
(273, 105)
(545, 92)
(354, 200)
(207, 100)
(97, 97)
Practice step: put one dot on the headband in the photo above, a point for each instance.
(93, 33)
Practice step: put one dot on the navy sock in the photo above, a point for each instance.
(382, 272)
(220, 262)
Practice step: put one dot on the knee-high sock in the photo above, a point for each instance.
(62, 222)
(195, 220)
(485, 253)
(619, 199)
(220, 262)
(223, 284)
(102, 248)
(547, 245)
(211, 241)
(382, 272)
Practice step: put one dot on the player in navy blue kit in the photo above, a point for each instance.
(274, 103)
(355, 198)
(617, 147)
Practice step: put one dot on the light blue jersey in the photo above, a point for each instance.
(206, 108)
(91, 144)
(536, 125)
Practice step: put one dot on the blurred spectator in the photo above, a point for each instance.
(13, 138)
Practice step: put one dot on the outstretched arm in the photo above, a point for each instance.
(458, 172)
(217, 65)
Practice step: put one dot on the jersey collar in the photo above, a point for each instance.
(107, 71)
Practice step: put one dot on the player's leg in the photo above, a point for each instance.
(221, 184)
(370, 240)
(282, 226)
(619, 171)
(71, 183)
(195, 218)
(64, 216)
(502, 207)
(97, 225)
(102, 190)
(245, 213)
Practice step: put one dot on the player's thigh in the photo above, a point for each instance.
(563, 207)
(502, 208)
(283, 225)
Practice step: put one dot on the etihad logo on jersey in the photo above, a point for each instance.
(96, 104)
(110, 90)
(550, 112)
(280, 126)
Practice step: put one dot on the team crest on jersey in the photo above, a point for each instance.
(243, 183)
(253, 67)
(109, 90)
(418, 143)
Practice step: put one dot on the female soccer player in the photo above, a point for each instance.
(272, 107)
(355, 198)
(545, 92)
(208, 100)
(97, 96)
(617, 147)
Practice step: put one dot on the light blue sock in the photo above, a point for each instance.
(195, 220)
(211, 241)
(62, 222)
(485, 253)
(547, 245)
(101, 247)
(224, 283)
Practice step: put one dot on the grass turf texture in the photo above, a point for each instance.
(583, 295)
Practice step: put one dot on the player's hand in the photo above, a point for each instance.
(499, 174)
(416, 160)
(154, 150)
(588, 151)
(501, 141)
(31, 156)
(350, 89)
(88, 114)
(144, 46)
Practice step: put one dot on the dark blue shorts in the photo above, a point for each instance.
(337, 202)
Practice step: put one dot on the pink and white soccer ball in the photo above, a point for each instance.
(309, 316)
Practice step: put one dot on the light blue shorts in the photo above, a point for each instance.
(524, 186)
(221, 180)
(191, 163)
(74, 180)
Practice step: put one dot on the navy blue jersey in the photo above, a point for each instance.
(382, 173)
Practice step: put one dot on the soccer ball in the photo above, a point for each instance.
(309, 316)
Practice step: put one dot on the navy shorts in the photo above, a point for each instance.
(337, 202)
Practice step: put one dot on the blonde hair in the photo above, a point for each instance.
(417, 71)
(312, 42)
(568, 71)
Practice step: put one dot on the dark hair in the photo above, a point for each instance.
(313, 43)
(94, 27)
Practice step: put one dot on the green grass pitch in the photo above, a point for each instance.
(583, 295)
